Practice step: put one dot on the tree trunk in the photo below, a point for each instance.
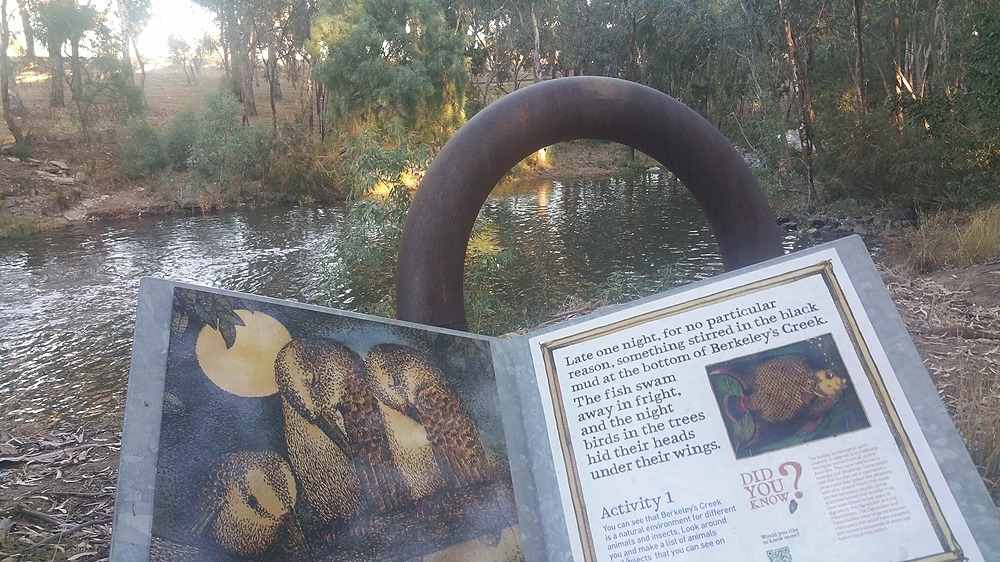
(142, 66)
(633, 48)
(5, 74)
(859, 64)
(271, 67)
(800, 85)
(249, 105)
(126, 51)
(76, 69)
(58, 96)
(897, 48)
(274, 87)
(240, 61)
(226, 67)
(934, 43)
(17, 108)
(538, 61)
(29, 30)
(275, 78)
(232, 43)
(321, 111)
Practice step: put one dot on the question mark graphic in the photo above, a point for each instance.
(798, 474)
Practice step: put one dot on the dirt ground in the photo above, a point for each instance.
(57, 485)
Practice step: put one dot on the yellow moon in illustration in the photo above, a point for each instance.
(247, 368)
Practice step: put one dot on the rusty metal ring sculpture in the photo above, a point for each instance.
(432, 252)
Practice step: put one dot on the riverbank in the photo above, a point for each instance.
(64, 179)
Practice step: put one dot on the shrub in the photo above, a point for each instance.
(495, 300)
(381, 164)
(299, 170)
(225, 151)
(135, 99)
(180, 137)
(141, 150)
(13, 226)
(623, 286)
(934, 159)
(874, 160)
(375, 163)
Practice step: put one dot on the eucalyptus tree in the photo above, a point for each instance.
(527, 14)
(133, 16)
(235, 19)
(386, 60)
(84, 18)
(690, 50)
(62, 22)
(498, 52)
(590, 37)
(56, 21)
(506, 38)
(5, 77)
(298, 32)
(27, 27)
(281, 29)
(798, 42)
(180, 54)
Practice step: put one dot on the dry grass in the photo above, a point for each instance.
(977, 416)
(953, 240)
(954, 320)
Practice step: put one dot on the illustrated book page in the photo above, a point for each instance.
(277, 431)
(754, 418)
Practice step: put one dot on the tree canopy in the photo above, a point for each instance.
(392, 59)
(884, 99)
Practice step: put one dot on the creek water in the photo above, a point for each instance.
(67, 297)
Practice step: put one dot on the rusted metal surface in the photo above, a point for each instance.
(433, 247)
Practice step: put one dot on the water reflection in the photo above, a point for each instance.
(579, 234)
(67, 298)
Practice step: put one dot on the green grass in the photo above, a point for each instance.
(17, 227)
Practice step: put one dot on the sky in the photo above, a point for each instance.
(182, 18)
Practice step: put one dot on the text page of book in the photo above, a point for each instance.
(752, 419)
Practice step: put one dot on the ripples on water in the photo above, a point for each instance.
(67, 298)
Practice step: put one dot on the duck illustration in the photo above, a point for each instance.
(335, 432)
(163, 550)
(246, 502)
(437, 440)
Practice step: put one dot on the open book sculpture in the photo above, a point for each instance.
(775, 413)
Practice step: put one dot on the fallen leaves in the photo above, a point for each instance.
(57, 494)
(954, 321)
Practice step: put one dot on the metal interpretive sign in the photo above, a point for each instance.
(778, 412)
